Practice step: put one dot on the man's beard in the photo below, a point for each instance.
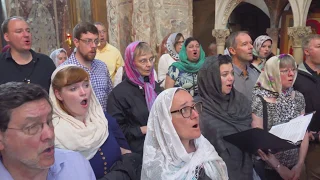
(86, 57)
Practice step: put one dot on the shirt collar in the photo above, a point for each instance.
(103, 49)
(8, 55)
(238, 71)
(314, 73)
(74, 60)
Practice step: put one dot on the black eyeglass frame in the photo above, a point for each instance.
(193, 107)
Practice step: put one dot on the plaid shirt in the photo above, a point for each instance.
(99, 77)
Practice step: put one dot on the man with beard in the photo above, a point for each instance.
(86, 40)
(240, 47)
(27, 138)
(20, 63)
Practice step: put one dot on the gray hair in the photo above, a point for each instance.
(286, 60)
(15, 94)
(4, 25)
(231, 40)
(306, 40)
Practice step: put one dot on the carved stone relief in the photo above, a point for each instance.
(297, 34)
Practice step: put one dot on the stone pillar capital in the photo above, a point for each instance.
(273, 32)
(220, 35)
(298, 33)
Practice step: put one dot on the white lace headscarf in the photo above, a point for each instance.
(54, 55)
(164, 155)
(73, 134)
(170, 46)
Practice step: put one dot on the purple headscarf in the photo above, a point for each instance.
(135, 77)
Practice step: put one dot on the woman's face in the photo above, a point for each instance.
(186, 128)
(265, 49)
(62, 57)
(227, 78)
(193, 51)
(144, 63)
(179, 45)
(287, 76)
(75, 98)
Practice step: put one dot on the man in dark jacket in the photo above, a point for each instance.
(308, 83)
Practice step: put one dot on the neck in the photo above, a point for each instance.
(21, 58)
(102, 45)
(240, 64)
(313, 66)
(82, 61)
(189, 145)
(20, 171)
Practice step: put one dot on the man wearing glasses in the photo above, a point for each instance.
(86, 40)
(20, 63)
(108, 53)
(27, 138)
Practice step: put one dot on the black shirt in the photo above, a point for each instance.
(37, 71)
(314, 73)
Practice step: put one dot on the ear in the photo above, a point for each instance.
(306, 52)
(232, 51)
(76, 42)
(6, 37)
(1, 141)
(58, 95)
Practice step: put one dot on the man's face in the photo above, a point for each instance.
(313, 51)
(87, 45)
(24, 150)
(102, 35)
(18, 35)
(243, 49)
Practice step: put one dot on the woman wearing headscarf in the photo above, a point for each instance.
(174, 147)
(274, 88)
(80, 124)
(225, 112)
(58, 56)
(174, 44)
(261, 51)
(184, 72)
(131, 101)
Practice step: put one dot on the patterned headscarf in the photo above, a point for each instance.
(54, 55)
(185, 65)
(269, 78)
(134, 76)
(170, 46)
(258, 43)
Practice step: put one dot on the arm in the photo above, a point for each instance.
(302, 155)
(162, 70)
(257, 122)
(169, 82)
(257, 112)
(117, 110)
(119, 62)
(118, 77)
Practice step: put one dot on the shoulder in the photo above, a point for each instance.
(298, 95)
(112, 48)
(99, 62)
(122, 89)
(67, 155)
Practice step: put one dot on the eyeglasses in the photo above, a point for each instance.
(187, 111)
(144, 61)
(286, 72)
(90, 41)
(34, 129)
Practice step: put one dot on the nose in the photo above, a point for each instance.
(149, 63)
(250, 46)
(194, 114)
(230, 77)
(26, 33)
(47, 133)
(82, 92)
(291, 73)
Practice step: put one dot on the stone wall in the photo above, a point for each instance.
(48, 20)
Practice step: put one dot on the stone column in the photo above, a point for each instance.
(220, 35)
(274, 34)
(297, 34)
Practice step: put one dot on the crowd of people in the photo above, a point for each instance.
(95, 115)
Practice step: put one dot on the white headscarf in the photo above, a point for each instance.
(170, 46)
(164, 155)
(54, 55)
(73, 134)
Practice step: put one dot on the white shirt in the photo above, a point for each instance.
(164, 62)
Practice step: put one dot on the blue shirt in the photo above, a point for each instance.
(99, 77)
(67, 165)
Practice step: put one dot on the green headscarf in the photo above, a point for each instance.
(185, 65)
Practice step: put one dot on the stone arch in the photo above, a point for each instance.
(300, 10)
(224, 8)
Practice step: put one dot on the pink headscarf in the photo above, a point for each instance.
(135, 77)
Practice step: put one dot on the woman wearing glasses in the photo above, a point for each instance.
(274, 88)
(173, 45)
(225, 112)
(81, 125)
(184, 72)
(174, 147)
(131, 101)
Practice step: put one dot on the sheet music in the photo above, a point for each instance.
(294, 130)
